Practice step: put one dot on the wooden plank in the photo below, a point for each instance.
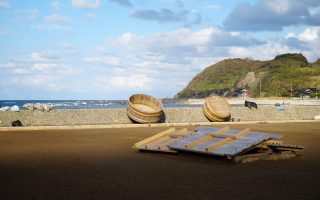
(286, 147)
(166, 144)
(154, 137)
(220, 132)
(241, 133)
(163, 139)
(208, 137)
(156, 142)
(227, 140)
(264, 145)
(178, 133)
(272, 142)
(174, 139)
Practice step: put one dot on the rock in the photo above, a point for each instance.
(15, 108)
(38, 106)
(28, 106)
(47, 107)
(235, 119)
(5, 108)
(248, 80)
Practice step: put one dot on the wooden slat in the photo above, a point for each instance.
(154, 137)
(158, 141)
(272, 142)
(174, 139)
(228, 139)
(264, 145)
(208, 137)
(286, 147)
(170, 136)
(220, 132)
(166, 144)
(240, 133)
(180, 132)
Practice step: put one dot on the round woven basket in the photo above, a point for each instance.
(217, 109)
(144, 108)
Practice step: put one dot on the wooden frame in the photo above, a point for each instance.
(160, 141)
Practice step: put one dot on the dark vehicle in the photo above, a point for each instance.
(250, 104)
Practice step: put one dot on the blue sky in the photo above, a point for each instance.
(111, 49)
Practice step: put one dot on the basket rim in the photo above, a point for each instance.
(152, 119)
(159, 109)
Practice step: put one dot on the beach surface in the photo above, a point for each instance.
(101, 164)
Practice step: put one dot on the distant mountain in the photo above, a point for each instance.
(276, 77)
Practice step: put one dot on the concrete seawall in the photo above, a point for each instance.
(263, 101)
(173, 115)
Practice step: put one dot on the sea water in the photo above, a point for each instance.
(85, 104)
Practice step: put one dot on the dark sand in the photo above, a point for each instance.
(100, 164)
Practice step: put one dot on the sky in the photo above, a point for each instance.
(111, 49)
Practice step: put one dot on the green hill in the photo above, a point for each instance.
(275, 77)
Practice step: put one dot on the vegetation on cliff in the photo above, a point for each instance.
(275, 77)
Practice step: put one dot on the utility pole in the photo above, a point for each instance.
(277, 88)
(291, 90)
(260, 89)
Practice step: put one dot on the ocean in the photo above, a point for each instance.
(85, 104)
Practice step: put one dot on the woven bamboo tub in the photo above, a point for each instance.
(217, 109)
(145, 109)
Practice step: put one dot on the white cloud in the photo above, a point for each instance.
(212, 7)
(57, 18)
(47, 82)
(105, 59)
(5, 4)
(21, 71)
(67, 45)
(45, 67)
(55, 5)
(26, 14)
(40, 63)
(90, 16)
(179, 46)
(51, 26)
(125, 82)
(7, 65)
(37, 57)
(306, 42)
(43, 71)
(263, 52)
(310, 34)
(87, 4)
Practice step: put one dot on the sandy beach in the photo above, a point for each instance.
(100, 164)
